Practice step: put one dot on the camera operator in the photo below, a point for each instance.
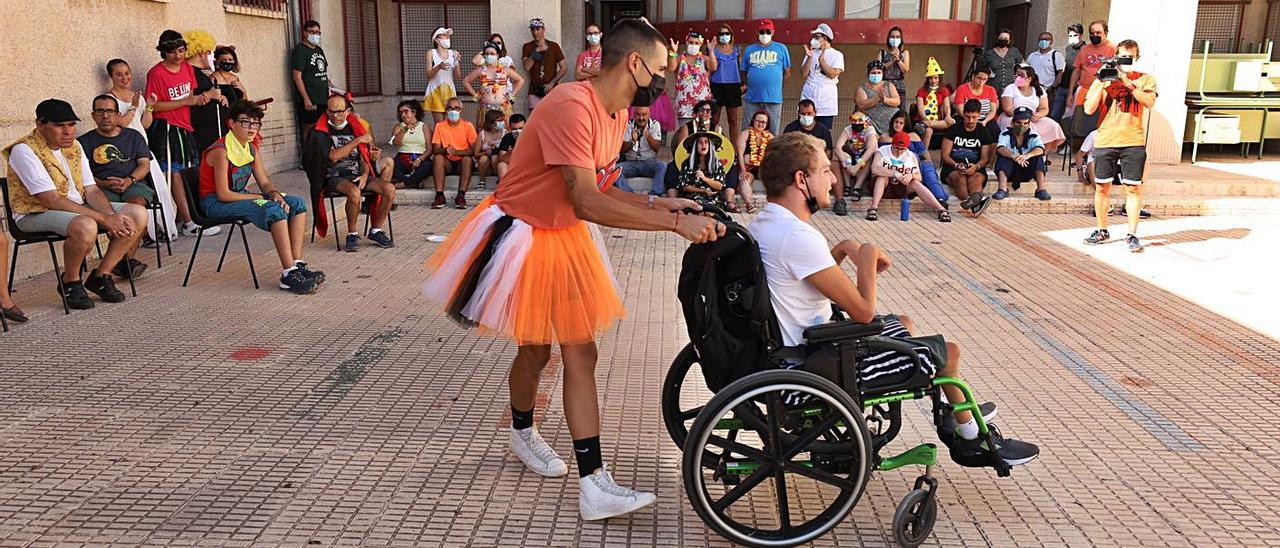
(1121, 97)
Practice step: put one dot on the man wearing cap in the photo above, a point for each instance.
(895, 163)
(1020, 157)
(822, 67)
(52, 189)
(543, 60)
(765, 64)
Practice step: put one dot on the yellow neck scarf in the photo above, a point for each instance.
(239, 154)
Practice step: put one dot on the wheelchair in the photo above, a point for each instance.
(778, 457)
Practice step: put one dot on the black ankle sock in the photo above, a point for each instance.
(588, 453)
(521, 419)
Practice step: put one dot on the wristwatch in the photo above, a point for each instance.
(652, 199)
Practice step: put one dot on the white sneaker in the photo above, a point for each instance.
(600, 498)
(191, 229)
(533, 451)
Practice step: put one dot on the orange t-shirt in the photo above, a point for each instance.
(1088, 61)
(569, 128)
(461, 136)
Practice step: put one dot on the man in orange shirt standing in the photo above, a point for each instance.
(451, 144)
(1083, 73)
(528, 262)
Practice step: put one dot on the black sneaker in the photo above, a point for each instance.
(76, 297)
(980, 204)
(148, 243)
(381, 239)
(840, 207)
(978, 453)
(353, 243)
(315, 275)
(1134, 245)
(103, 287)
(297, 282)
(138, 267)
(1099, 236)
(989, 413)
(1142, 213)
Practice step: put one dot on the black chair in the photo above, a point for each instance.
(366, 205)
(157, 213)
(191, 183)
(21, 238)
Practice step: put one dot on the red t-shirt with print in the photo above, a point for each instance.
(172, 86)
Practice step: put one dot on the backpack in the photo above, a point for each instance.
(725, 299)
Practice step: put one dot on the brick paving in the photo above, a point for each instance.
(222, 415)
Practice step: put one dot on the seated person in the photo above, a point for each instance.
(487, 141)
(807, 122)
(451, 153)
(514, 126)
(52, 189)
(224, 178)
(702, 176)
(7, 306)
(854, 149)
(1020, 157)
(966, 153)
(120, 161)
(894, 163)
(348, 171)
(701, 121)
(933, 107)
(640, 146)
(928, 175)
(805, 277)
(410, 166)
(1084, 159)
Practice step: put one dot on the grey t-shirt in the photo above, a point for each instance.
(114, 156)
(347, 167)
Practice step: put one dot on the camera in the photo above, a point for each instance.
(1110, 70)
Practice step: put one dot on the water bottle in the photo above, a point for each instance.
(906, 209)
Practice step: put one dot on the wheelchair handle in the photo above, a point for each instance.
(716, 212)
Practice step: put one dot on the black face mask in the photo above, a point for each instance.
(646, 95)
(228, 67)
(809, 201)
(857, 128)
(1002, 43)
(1095, 39)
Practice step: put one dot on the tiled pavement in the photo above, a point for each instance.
(222, 415)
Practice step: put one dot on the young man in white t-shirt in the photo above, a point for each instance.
(805, 277)
(895, 163)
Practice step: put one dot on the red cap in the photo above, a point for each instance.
(901, 140)
(766, 24)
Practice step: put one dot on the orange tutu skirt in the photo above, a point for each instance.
(537, 286)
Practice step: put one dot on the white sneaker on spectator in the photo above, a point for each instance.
(599, 497)
(191, 229)
(533, 451)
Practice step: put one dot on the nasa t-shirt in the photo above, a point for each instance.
(966, 146)
(114, 156)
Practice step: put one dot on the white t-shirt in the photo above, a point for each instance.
(31, 170)
(1020, 100)
(1087, 146)
(791, 251)
(1046, 65)
(821, 89)
(640, 150)
(906, 164)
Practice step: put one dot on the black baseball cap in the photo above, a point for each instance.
(55, 111)
(1022, 113)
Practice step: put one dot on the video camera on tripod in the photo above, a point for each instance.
(1110, 67)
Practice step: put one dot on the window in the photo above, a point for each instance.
(816, 9)
(694, 10)
(904, 9)
(470, 24)
(668, 10)
(731, 9)
(360, 35)
(774, 9)
(964, 10)
(861, 9)
(939, 9)
(1219, 23)
(1273, 30)
(271, 5)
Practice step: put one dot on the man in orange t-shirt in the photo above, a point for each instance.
(1084, 70)
(451, 143)
(528, 264)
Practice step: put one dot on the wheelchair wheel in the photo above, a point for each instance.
(763, 470)
(683, 394)
(913, 520)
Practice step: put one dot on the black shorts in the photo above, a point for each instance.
(454, 167)
(727, 95)
(1122, 165)
(331, 183)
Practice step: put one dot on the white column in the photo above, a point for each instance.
(1163, 30)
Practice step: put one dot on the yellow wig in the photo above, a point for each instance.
(199, 42)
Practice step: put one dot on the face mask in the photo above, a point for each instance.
(502, 126)
(765, 39)
(593, 39)
(1095, 40)
(1002, 43)
(875, 78)
(1018, 129)
(1020, 81)
(809, 201)
(498, 45)
(806, 121)
(857, 128)
(491, 59)
(1044, 44)
(227, 67)
(453, 115)
(724, 38)
(895, 42)
(444, 43)
(314, 39)
(338, 126)
(692, 49)
(516, 132)
(1073, 39)
(815, 43)
(933, 87)
(646, 95)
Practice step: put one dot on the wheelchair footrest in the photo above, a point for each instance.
(925, 454)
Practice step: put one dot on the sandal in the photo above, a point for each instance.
(944, 216)
(872, 214)
(732, 208)
(855, 195)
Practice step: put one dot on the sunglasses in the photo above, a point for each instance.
(766, 32)
(725, 34)
(704, 109)
(251, 124)
(455, 109)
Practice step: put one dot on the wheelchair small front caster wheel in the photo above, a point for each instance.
(913, 520)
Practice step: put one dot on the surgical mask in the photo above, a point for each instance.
(1073, 39)
(453, 115)
(933, 87)
(1002, 43)
(765, 39)
(646, 95)
(227, 67)
(1044, 44)
(1020, 81)
(444, 43)
(1095, 40)
(1019, 129)
(724, 38)
(692, 49)
(314, 39)
(501, 125)
(593, 38)
(338, 126)
(498, 45)
(895, 42)
(806, 120)
(815, 43)
(875, 78)
(491, 59)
